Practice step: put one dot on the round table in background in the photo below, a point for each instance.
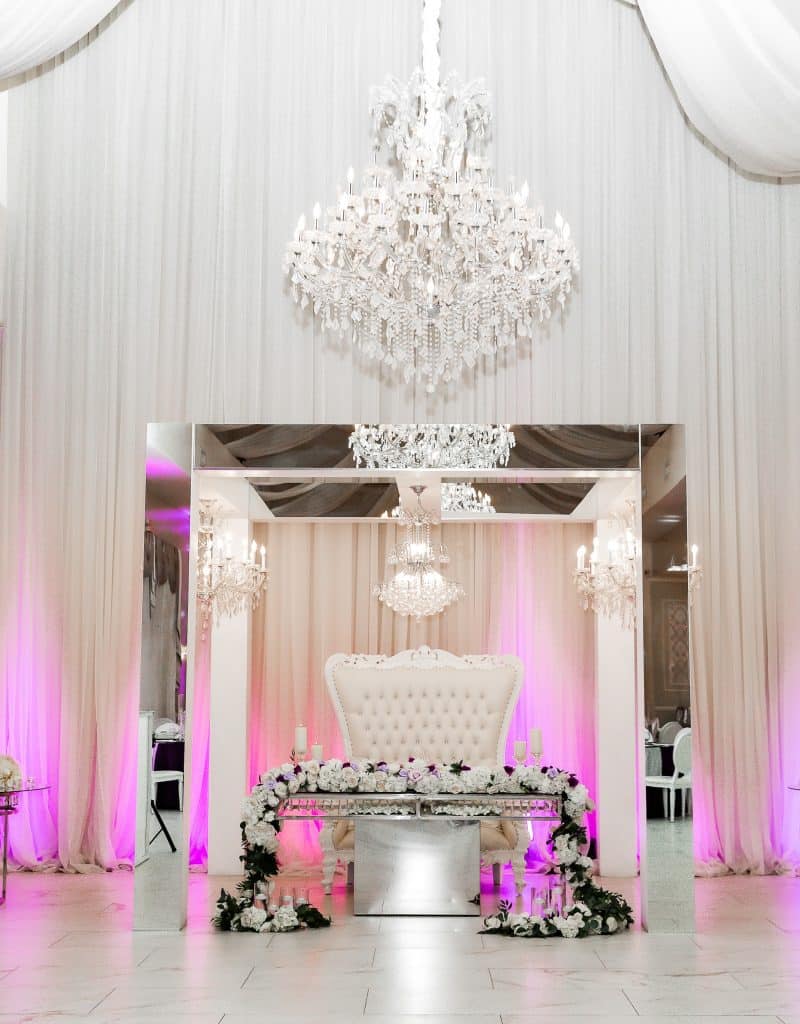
(9, 798)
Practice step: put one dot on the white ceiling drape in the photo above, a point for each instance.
(34, 31)
(735, 67)
(153, 180)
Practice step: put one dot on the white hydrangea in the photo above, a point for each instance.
(252, 919)
(262, 834)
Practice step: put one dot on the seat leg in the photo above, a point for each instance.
(497, 875)
(665, 798)
(683, 803)
(351, 871)
(180, 795)
(672, 805)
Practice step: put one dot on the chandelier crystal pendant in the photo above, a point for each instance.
(417, 587)
(427, 264)
(431, 445)
(226, 584)
(609, 587)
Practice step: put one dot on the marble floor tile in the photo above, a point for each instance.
(575, 998)
(67, 954)
(514, 1018)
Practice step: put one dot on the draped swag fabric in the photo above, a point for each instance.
(519, 600)
(154, 177)
(735, 67)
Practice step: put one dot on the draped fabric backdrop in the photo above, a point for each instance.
(154, 176)
(519, 600)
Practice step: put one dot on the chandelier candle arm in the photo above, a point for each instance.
(428, 266)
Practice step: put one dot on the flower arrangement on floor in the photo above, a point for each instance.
(10, 774)
(593, 910)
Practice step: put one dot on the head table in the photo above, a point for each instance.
(418, 853)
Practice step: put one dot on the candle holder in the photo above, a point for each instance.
(520, 752)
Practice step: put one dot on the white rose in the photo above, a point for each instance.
(611, 924)
(349, 778)
(284, 919)
(287, 768)
(492, 923)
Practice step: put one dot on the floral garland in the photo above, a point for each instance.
(10, 774)
(593, 910)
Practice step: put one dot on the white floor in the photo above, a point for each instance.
(67, 955)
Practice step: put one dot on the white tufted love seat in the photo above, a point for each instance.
(430, 705)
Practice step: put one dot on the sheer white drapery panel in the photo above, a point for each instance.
(34, 31)
(735, 67)
(519, 600)
(154, 180)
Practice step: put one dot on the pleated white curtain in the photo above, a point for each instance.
(519, 600)
(153, 179)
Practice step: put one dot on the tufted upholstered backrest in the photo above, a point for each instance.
(426, 704)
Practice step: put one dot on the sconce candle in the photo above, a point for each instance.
(316, 751)
(300, 740)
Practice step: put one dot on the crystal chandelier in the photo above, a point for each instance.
(431, 445)
(462, 497)
(456, 498)
(429, 265)
(609, 587)
(417, 587)
(226, 585)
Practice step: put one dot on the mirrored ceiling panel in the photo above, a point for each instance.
(327, 446)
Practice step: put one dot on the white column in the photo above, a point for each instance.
(618, 734)
(227, 755)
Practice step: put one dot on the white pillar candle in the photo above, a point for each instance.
(520, 750)
(536, 742)
(300, 739)
(316, 751)
(695, 549)
(581, 558)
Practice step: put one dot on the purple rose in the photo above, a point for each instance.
(508, 769)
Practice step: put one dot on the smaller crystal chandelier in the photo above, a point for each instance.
(417, 587)
(462, 497)
(226, 585)
(693, 570)
(431, 445)
(609, 587)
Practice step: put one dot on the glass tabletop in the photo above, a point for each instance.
(35, 788)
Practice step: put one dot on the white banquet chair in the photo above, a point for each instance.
(668, 732)
(681, 778)
(434, 706)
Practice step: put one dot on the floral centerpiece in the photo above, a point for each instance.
(10, 774)
(593, 910)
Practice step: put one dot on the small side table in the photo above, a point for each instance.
(9, 798)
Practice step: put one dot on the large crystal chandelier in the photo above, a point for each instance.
(427, 265)
(431, 445)
(608, 587)
(226, 584)
(417, 587)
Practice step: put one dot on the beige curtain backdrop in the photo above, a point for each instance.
(154, 177)
(519, 600)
